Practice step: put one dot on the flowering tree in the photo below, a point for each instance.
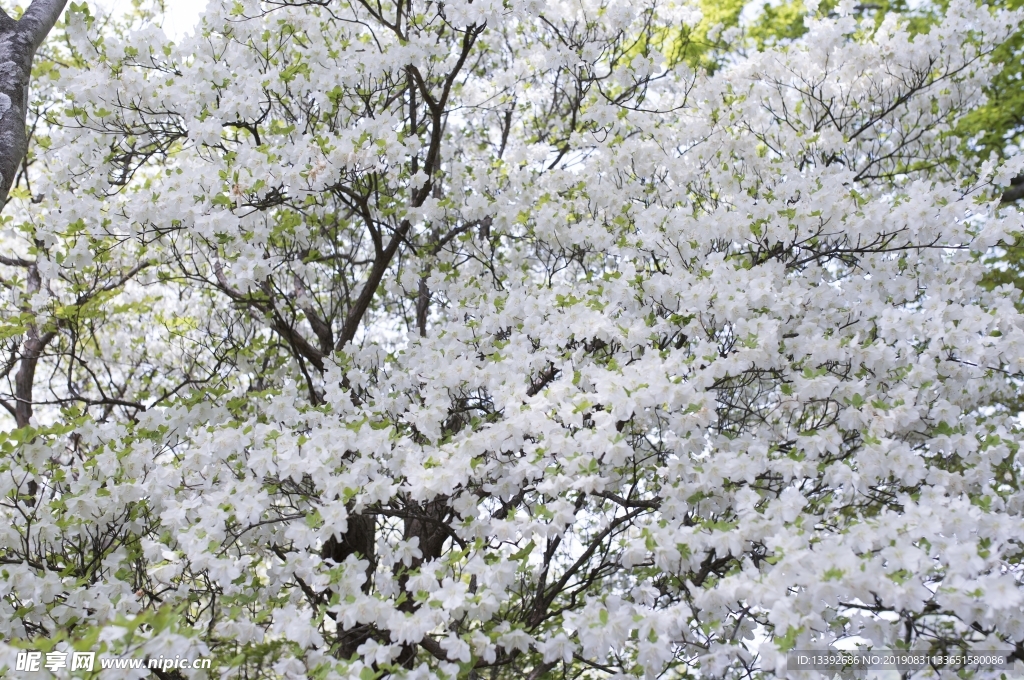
(510, 339)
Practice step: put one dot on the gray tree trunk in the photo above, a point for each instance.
(19, 41)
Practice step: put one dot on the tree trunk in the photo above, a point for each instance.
(19, 41)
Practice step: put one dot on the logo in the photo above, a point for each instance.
(28, 661)
(32, 661)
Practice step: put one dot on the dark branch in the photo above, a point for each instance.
(1015, 192)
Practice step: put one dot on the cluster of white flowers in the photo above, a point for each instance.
(441, 339)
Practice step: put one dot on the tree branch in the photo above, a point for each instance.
(40, 18)
(383, 260)
(1015, 192)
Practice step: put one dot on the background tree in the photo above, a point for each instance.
(512, 339)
